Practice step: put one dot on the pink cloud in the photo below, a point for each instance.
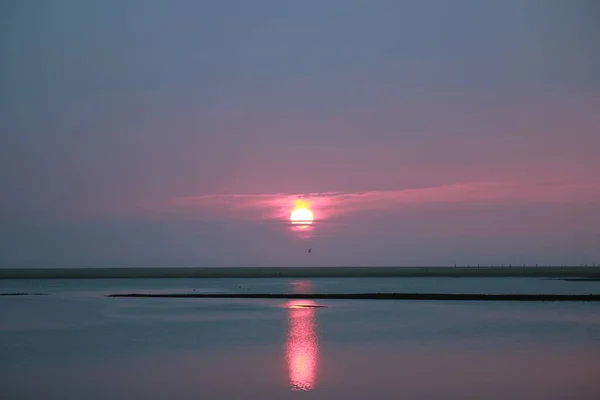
(327, 205)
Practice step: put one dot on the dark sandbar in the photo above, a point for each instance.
(23, 294)
(377, 296)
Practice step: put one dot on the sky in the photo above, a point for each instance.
(183, 132)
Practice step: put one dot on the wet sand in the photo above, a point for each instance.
(300, 272)
(376, 296)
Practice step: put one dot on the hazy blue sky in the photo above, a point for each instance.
(180, 132)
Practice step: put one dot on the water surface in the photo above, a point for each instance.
(77, 343)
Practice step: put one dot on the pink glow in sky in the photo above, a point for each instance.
(335, 205)
(419, 132)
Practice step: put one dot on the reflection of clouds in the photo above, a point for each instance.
(302, 348)
(331, 204)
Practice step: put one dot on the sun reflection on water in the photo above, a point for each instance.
(302, 349)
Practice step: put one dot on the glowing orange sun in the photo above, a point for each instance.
(302, 216)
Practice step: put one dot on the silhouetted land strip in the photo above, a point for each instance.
(23, 294)
(376, 296)
(301, 272)
(582, 279)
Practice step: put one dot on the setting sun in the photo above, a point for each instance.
(302, 216)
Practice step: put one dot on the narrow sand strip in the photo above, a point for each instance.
(378, 296)
(23, 294)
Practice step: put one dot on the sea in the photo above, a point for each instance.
(67, 340)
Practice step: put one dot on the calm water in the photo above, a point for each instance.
(76, 343)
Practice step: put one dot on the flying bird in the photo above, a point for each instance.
(310, 249)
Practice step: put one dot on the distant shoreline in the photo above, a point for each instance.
(584, 273)
(375, 296)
